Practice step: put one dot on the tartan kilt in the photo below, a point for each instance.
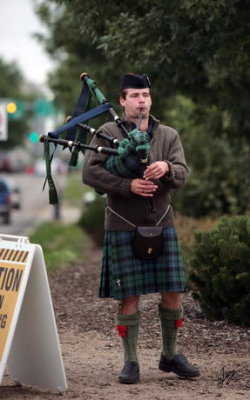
(123, 275)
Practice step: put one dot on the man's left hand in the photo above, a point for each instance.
(156, 170)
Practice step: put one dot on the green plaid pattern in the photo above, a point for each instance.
(123, 275)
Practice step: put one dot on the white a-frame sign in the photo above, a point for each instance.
(29, 345)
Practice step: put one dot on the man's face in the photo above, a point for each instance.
(137, 101)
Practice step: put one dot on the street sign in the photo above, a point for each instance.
(3, 122)
(43, 108)
(29, 343)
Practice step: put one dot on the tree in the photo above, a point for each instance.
(75, 53)
(196, 49)
(11, 87)
(219, 179)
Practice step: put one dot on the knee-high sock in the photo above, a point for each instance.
(170, 319)
(128, 326)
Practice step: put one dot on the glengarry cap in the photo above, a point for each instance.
(135, 81)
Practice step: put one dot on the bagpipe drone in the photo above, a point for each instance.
(126, 158)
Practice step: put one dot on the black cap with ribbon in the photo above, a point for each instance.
(135, 81)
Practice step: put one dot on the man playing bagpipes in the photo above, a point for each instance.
(142, 201)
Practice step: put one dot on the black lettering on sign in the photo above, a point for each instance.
(1, 300)
(17, 280)
(3, 272)
(10, 279)
(3, 319)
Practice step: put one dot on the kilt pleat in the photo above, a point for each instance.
(123, 275)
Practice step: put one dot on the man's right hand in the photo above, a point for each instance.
(142, 187)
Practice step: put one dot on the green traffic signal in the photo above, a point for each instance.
(34, 137)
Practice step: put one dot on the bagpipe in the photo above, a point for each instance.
(126, 158)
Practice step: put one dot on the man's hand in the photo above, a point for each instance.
(142, 187)
(156, 170)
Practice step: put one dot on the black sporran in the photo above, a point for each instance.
(148, 242)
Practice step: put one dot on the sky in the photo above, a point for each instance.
(18, 22)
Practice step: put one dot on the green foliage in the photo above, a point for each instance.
(220, 270)
(11, 82)
(200, 49)
(72, 41)
(219, 180)
(92, 219)
(62, 244)
(196, 51)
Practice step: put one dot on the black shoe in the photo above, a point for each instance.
(180, 365)
(129, 373)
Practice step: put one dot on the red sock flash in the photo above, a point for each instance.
(179, 323)
(122, 330)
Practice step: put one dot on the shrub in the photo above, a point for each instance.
(214, 188)
(220, 270)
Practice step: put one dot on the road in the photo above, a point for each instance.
(35, 206)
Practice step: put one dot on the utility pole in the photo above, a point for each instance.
(3, 122)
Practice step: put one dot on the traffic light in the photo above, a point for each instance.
(15, 109)
(11, 107)
(34, 137)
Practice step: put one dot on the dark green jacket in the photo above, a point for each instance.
(164, 146)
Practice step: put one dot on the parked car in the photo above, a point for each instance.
(10, 164)
(5, 201)
(15, 193)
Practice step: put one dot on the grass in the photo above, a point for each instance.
(62, 244)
